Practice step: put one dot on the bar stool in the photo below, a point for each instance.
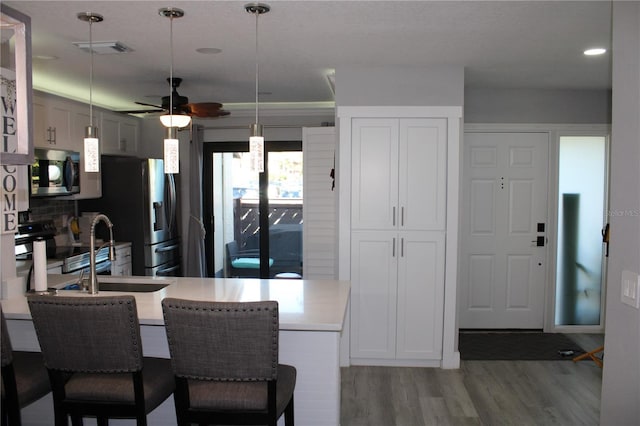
(225, 361)
(93, 352)
(24, 379)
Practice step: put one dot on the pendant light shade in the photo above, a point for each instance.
(175, 120)
(172, 121)
(91, 158)
(256, 139)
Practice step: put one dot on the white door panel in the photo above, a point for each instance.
(503, 271)
(374, 176)
(420, 294)
(422, 173)
(373, 294)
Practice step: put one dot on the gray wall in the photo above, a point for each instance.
(537, 106)
(621, 375)
(388, 86)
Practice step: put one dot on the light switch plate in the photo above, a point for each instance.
(630, 292)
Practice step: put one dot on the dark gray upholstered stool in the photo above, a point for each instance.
(93, 352)
(24, 379)
(225, 360)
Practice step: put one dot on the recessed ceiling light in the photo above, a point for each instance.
(208, 50)
(595, 51)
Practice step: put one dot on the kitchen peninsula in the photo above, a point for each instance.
(312, 316)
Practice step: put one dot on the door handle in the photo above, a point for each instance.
(539, 242)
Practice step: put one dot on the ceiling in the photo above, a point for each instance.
(501, 44)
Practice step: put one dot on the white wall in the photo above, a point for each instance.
(537, 106)
(621, 375)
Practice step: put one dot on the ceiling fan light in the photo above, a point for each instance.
(177, 120)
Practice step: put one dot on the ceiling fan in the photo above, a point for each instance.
(181, 105)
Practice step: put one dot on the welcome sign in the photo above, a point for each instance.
(13, 178)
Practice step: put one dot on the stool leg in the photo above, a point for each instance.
(591, 354)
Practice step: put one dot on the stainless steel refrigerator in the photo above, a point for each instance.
(142, 203)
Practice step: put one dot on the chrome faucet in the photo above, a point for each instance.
(93, 278)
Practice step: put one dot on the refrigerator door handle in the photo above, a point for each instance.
(166, 271)
(167, 248)
(158, 222)
(171, 202)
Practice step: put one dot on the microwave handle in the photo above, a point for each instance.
(69, 173)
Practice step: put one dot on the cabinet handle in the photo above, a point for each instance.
(49, 135)
(401, 247)
(53, 130)
(402, 216)
(394, 215)
(393, 248)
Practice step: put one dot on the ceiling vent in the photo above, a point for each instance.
(103, 47)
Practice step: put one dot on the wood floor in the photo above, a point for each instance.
(479, 393)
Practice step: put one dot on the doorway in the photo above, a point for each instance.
(240, 203)
(504, 228)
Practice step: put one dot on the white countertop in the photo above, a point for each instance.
(311, 305)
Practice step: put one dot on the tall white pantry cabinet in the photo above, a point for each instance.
(397, 237)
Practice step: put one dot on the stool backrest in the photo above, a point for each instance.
(88, 334)
(226, 341)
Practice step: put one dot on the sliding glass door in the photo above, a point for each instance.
(240, 203)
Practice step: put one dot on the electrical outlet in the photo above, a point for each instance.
(630, 292)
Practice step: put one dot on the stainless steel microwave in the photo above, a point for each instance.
(55, 172)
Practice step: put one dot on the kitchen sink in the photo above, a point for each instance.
(131, 287)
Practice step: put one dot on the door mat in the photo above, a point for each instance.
(516, 345)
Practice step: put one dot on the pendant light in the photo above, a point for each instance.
(256, 139)
(171, 121)
(91, 142)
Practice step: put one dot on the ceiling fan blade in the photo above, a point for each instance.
(140, 111)
(206, 109)
(151, 105)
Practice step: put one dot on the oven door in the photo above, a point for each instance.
(102, 268)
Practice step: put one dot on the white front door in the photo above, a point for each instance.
(504, 230)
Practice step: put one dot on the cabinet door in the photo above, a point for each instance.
(128, 136)
(420, 295)
(60, 122)
(374, 177)
(373, 294)
(51, 124)
(41, 130)
(422, 174)
(122, 264)
(110, 134)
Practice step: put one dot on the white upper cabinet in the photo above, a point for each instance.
(61, 124)
(52, 124)
(119, 134)
(399, 173)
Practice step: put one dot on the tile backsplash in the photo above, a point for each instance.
(50, 208)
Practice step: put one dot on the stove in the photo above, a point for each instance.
(75, 259)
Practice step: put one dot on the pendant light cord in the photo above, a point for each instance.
(91, 73)
(171, 69)
(257, 15)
